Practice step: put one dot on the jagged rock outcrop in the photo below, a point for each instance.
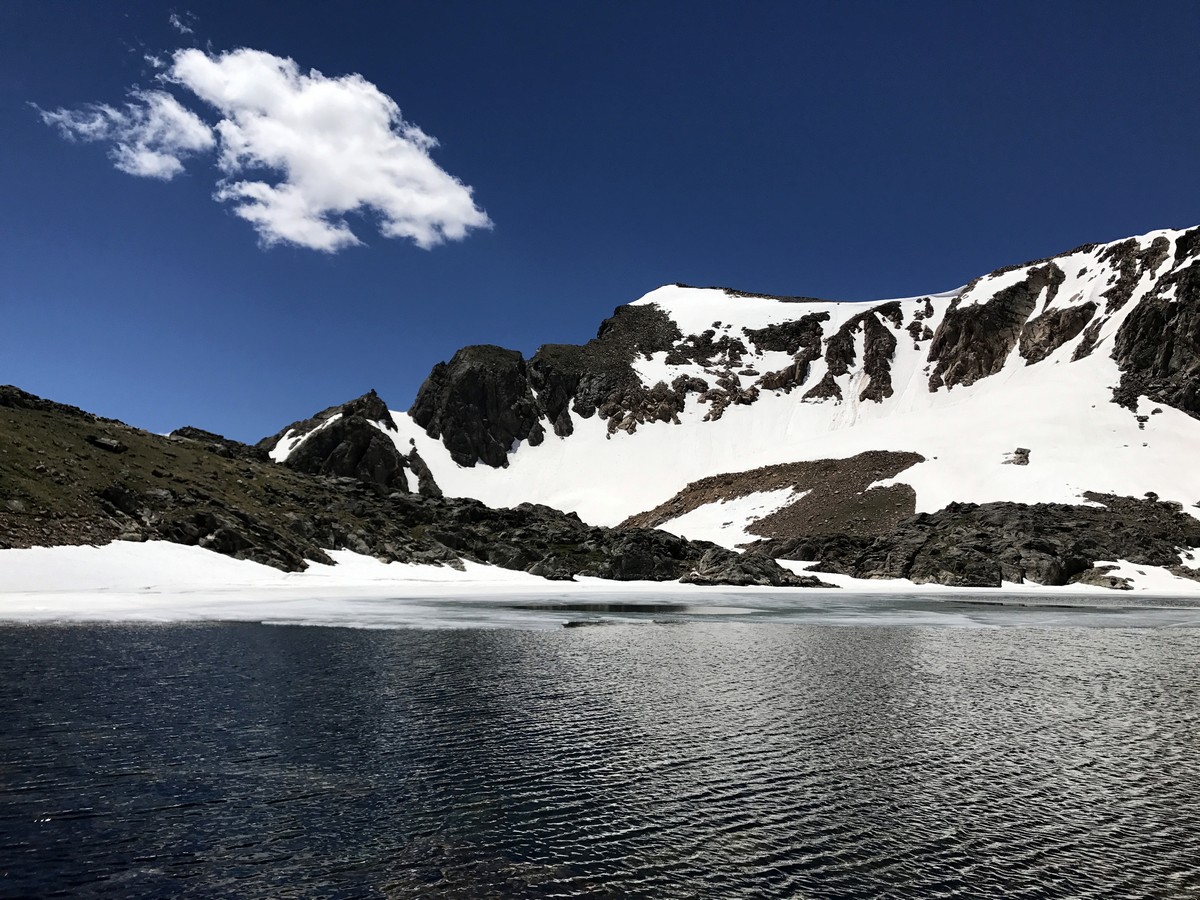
(801, 338)
(344, 441)
(369, 406)
(1131, 263)
(1158, 345)
(980, 545)
(598, 377)
(825, 389)
(354, 448)
(1091, 337)
(799, 335)
(479, 404)
(1044, 334)
(487, 398)
(879, 346)
(426, 485)
(974, 340)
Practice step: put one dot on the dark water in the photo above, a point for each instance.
(695, 760)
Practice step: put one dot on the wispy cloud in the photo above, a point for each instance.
(297, 151)
(178, 23)
(150, 136)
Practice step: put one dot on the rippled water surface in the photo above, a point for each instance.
(703, 759)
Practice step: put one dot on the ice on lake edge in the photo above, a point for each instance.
(163, 582)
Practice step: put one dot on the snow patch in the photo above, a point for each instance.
(291, 440)
(725, 522)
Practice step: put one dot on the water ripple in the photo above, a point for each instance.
(703, 760)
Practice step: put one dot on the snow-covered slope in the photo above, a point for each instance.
(1021, 358)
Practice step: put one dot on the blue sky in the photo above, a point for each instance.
(843, 150)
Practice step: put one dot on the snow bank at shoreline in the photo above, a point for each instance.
(163, 582)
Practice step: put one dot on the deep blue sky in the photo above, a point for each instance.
(845, 150)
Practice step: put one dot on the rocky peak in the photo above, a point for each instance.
(369, 406)
(350, 441)
(480, 404)
(488, 398)
(352, 447)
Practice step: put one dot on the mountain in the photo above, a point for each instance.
(1029, 425)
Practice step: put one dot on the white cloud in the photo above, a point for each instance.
(150, 137)
(337, 145)
(298, 151)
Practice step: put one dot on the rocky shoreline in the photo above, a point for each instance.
(68, 477)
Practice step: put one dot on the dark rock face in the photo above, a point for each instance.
(790, 337)
(426, 486)
(1091, 337)
(479, 404)
(801, 338)
(1131, 264)
(879, 347)
(598, 378)
(978, 545)
(702, 348)
(825, 389)
(1158, 345)
(351, 447)
(1042, 336)
(1187, 246)
(483, 401)
(972, 342)
(341, 441)
(370, 406)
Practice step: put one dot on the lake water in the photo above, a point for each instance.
(700, 758)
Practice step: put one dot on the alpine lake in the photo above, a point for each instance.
(930, 749)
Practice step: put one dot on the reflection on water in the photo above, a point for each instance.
(705, 760)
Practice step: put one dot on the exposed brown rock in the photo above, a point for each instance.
(840, 499)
